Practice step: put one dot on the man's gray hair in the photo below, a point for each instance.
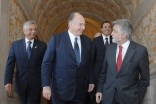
(71, 17)
(26, 24)
(124, 27)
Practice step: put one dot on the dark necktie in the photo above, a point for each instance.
(29, 49)
(106, 43)
(119, 59)
(77, 52)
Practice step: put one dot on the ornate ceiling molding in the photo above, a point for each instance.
(63, 18)
(49, 14)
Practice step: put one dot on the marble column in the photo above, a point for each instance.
(4, 12)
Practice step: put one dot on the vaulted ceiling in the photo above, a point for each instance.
(51, 15)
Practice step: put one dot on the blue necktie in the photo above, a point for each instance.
(29, 49)
(77, 52)
(106, 43)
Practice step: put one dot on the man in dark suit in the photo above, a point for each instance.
(99, 45)
(125, 74)
(27, 55)
(68, 61)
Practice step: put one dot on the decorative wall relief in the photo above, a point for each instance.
(15, 24)
(145, 33)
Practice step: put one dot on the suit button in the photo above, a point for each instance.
(116, 77)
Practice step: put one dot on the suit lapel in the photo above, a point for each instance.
(101, 41)
(68, 45)
(35, 45)
(128, 55)
(111, 39)
(23, 48)
(113, 57)
(83, 47)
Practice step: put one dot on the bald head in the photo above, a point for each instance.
(76, 23)
(72, 16)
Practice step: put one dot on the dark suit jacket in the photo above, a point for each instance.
(131, 89)
(67, 76)
(98, 54)
(28, 71)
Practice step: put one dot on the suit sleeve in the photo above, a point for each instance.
(90, 69)
(47, 63)
(10, 66)
(144, 74)
(44, 49)
(102, 77)
(93, 52)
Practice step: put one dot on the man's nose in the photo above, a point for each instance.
(33, 30)
(83, 27)
(111, 33)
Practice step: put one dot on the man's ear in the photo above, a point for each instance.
(24, 31)
(101, 29)
(70, 24)
(123, 35)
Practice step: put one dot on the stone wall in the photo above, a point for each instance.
(145, 34)
(11, 21)
(16, 20)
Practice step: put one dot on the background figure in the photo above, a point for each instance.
(125, 61)
(99, 45)
(68, 60)
(97, 34)
(27, 55)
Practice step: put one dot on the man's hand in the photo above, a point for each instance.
(97, 34)
(47, 92)
(91, 87)
(98, 97)
(8, 87)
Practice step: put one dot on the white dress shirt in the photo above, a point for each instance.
(72, 39)
(26, 42)
(105, 39)
(124, 49)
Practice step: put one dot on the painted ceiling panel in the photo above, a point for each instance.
(47, 12)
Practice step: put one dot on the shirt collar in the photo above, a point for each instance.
(105, 36)
(125, 45)
(26, 40)
(72, 37)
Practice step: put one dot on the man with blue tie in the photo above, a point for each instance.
(27, 54)
(68, 61)
(99, 46)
